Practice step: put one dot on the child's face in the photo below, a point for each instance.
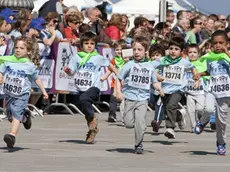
(219, 44)
(174, 51)
(89, 46)
(156, 56)
(138, 51)
(118, 51)
(193, 54)
(8, 28)
(21, 49)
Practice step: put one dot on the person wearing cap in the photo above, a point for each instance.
(8, 12)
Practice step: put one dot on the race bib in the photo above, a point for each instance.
(84, 80)
(13, 85)
(190, 89)
(174, 74)
(219, 86)
(140, 77)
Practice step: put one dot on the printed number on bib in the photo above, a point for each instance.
(190, 87)
(140, 77)
(13, 84)
(174, 74)
(220, 85)
(84, 80)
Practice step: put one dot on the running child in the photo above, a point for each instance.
(138, 75)
(17, 74)
(218, 68)
(87, 68)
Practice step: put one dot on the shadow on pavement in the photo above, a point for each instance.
(11, 150)
(73, 141)
(164, 142)
(126, 150)
(199, 153)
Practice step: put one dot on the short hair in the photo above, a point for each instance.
(51, 15)
(177, 41)
(168, 12)
(121, 43)
(219, 33)
(193, 46)
(179, 14)
(138, 21)
(193, 22)
(156, 48)
(214, 17)
(143, 41)
(88, 36)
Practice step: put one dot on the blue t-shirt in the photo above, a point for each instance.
(138, 78)
(174, 76)
(18, 77)
(219, 81)
(89, 74)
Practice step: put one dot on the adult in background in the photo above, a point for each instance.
(195, 25)
(113, 31)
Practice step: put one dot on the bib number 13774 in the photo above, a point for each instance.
(173, 74)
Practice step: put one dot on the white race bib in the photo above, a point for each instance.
(13, 84)
(173, 74)
(190, 89)
(84, 80)
(140, 77)
(219, 86)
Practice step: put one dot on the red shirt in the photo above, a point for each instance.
(113, 32)
(69, 33)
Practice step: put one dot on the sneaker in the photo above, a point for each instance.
(112, 119)
(3, 116)
(90, 136)
(170, 133)
(155, 126)
(181, 115)
(198, 128)
(139, 149)
(213, 126)
(10, 140)
(221, 149)
(28, 123)
(192, 130)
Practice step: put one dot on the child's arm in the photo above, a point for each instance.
(119, 95)
(196, 77)
(40, 85)
(159, 77)
(1, 79)
(107, 74)
(113, 69)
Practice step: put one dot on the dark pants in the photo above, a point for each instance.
(170, 103)
(112, 104)
(159, 109)
(86, 99)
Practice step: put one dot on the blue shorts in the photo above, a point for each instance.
(15, 106)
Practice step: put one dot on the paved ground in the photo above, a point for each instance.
(56, 143)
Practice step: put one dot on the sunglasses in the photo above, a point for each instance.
(199, 23)
(222, 19)
(55, 21)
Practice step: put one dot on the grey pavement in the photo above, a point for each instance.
(56, 143)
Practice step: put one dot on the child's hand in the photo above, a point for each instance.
(161, 92)
(103, 78)
(119, 96)
(160, 78)
(45, 96)
(67, 70)
(196, 77)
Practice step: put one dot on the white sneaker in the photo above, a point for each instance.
(3, 116)
(170, 133)
(182, 122)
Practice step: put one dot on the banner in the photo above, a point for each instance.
(64, 82)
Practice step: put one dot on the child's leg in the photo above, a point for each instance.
(112, 107)
(191, 104)
(221, 124)
(170, 102)
(209, 108)
(86, 99)
(122, 110)
(140, 121)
